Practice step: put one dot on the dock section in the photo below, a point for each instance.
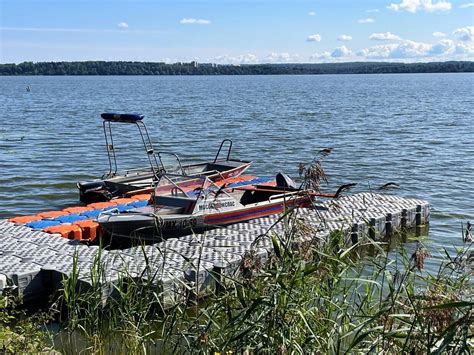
(33, 263)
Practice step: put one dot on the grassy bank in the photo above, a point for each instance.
(20, 333)
(314, 298)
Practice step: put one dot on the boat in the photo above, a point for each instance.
(181, 205)
(126, 183)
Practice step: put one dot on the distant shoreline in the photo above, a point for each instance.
(194, 68)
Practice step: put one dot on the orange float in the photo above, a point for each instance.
(141, 197)
(77, 209)
(24, 219)
(90, 229)
(100, 205)
(124, 201)
(69, 231)
(52, 214)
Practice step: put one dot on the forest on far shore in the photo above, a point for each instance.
(194, 68)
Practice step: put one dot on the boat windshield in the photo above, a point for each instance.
(185, 186)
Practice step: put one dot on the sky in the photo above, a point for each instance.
(237, 31)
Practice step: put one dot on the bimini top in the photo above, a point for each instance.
(122, 117)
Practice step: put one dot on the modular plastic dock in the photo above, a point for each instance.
(34, 263)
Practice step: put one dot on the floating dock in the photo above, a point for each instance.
(34, 263)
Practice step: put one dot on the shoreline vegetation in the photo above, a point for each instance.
(195, 68)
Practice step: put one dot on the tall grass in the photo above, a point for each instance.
(308, 297)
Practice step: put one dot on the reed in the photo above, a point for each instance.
(318, 297)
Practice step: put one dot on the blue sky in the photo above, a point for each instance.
(226, 31)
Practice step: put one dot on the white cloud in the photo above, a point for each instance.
(311, 13)
(402, 50)
(421, 5)
(344, 38)
(314, 38)
(464, 49)
(366, 20)
(248, 58)
(376, 52)
(465, 33)
(385, 36)
(122, 25)
(340, 52)
(443, 47)
(409, 51)
(467, 5)
(281, 58)
(317, 56)
(439, 34)
(194, 21)
(372, 10)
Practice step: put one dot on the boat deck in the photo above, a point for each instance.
(33, 263)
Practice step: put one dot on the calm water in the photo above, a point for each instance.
(415, 129)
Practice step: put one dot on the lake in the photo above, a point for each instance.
(412, 129)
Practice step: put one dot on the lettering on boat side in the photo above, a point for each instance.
(179, 223)
(216, 205)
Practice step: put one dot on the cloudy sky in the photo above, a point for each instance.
(237, 31)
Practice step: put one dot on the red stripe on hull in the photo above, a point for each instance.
(252, 213)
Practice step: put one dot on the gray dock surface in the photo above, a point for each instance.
(34, 264)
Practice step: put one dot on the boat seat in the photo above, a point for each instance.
(186, 203)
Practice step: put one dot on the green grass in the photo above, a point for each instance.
(311, 297)
(20, 333)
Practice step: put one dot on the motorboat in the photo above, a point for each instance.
(125, 183)
(181, 205)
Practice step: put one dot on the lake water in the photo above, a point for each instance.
(414, 129)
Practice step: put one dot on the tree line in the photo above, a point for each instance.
(194, 68)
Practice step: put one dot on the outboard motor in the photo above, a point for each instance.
(283, 180)
(95, 191)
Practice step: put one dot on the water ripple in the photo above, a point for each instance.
(415, 130)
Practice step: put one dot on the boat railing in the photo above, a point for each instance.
(135, 119)
(220, 148)
(161, 153)
(127, 172)
(285, 194)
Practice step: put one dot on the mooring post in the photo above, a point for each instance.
(388, 225)
(354, 233)
(372, 228)
(418, 215)
(219, 278)
(404, 218)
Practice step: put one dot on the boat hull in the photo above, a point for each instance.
(146, 226)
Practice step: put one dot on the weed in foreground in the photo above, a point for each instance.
(318, 297)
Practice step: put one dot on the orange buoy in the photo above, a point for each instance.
(24, 219)
(68, 231)
(52, 214)
(77, 209)
(90, 229)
